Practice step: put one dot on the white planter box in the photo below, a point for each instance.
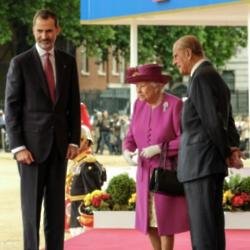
(126, 219)
(114, 219)
(237, 220)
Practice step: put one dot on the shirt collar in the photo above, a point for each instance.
(42, 52)
(196, 65)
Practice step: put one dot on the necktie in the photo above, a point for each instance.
(48, 69)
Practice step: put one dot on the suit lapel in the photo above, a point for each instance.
(60, 66)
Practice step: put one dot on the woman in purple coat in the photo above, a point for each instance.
(155, 120)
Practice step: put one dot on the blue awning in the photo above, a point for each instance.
(94, 10)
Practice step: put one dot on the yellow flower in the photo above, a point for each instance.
(87, 199)
(132, 199)
(227, 196)
(97, 193)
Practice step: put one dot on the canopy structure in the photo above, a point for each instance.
(170, 12)
(166, 12)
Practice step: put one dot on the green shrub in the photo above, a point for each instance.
(233, 183)
(121, 187)
(245, 185)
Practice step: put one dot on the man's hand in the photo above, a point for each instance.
(72, 152)
(235, 159)
(150, 151)
(24, 157)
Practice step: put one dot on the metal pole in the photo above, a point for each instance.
(133, 59)
(248, 55)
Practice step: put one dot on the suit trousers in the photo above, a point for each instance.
(43, 183)
(204, 197)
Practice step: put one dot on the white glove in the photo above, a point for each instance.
(128, 156)
(150, 151)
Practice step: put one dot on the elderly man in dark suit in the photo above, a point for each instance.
(43, 123)
(209, 138)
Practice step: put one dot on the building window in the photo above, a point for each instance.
(84, 61)
(229, 78)
(118, 62)
(115, 66)
(101, 67)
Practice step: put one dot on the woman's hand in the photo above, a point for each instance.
(128, 156)
(150, 151)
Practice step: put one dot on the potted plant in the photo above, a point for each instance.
(96, 200)
(236, 202)
(236, 196)
(121, 189)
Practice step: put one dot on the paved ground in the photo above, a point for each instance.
(10, 219)
(10, 215)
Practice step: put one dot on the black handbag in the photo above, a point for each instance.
(163, 180)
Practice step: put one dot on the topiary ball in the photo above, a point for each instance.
(120, 188)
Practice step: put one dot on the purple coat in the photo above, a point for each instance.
(150, 126)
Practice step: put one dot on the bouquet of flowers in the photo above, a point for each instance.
(96, 200)
(236, 196)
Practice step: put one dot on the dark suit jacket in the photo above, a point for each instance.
(31, 117)
(208, 128)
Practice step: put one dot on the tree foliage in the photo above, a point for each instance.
(154, 44)
(16, 24)
(219, 43)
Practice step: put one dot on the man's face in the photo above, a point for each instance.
(181, 59)
(45, 33)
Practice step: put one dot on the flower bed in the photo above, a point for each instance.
(115, 206)
(236, 195)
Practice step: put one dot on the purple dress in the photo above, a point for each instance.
(150, 126)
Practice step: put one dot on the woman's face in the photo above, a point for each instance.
(148, 91)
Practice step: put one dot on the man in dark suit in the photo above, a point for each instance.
(209, 137)
(43, 123)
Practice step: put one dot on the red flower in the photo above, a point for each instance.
(96, 201)
(105, 196)
(238, 201)
(245, 196)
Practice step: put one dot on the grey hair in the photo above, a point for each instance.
(190, 42)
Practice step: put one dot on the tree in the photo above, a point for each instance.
(217, 42)
(16, 24)
(155, 42)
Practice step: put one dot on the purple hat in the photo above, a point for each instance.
(146, 73)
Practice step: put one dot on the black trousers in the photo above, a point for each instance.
(204, 197)
(43, 183)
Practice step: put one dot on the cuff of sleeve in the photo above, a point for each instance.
(15, 150)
